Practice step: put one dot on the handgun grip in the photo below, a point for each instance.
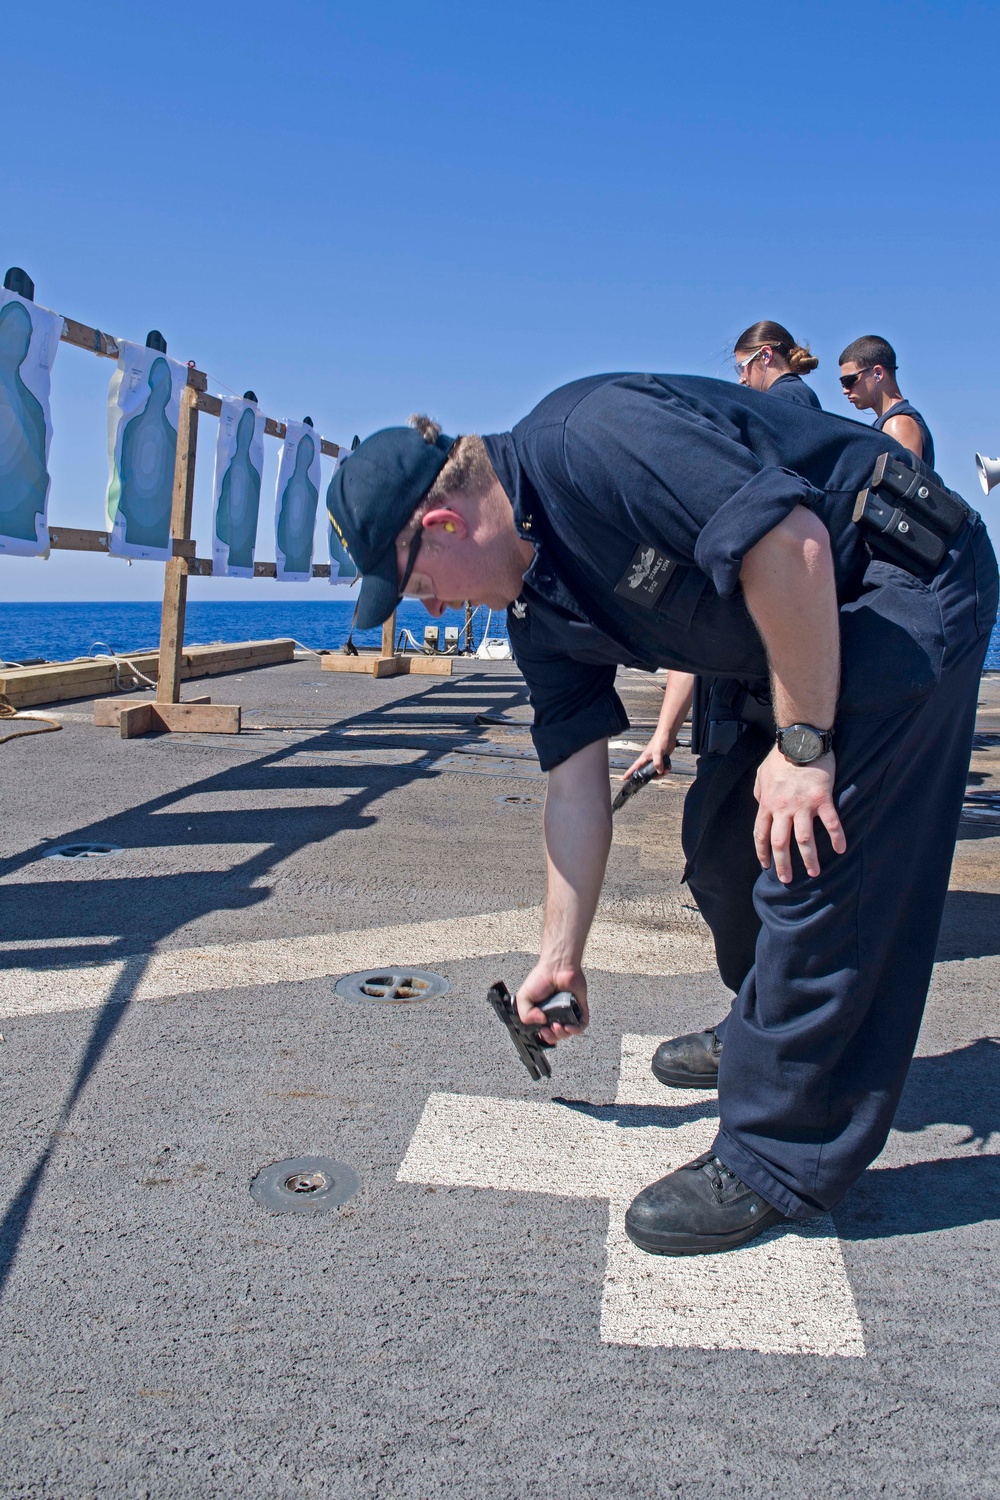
(563, 1009)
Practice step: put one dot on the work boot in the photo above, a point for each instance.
(700, 1208)
(689, 1062)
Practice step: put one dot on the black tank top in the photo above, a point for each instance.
(904, 409)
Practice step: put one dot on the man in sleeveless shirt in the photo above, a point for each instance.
(868, 376)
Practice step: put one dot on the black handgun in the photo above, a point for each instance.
(637, 781)
(562, 1008)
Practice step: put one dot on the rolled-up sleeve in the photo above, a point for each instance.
(658, 470)
(574, 702)
(743, 520)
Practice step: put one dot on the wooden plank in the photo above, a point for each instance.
(85, 337)
(136, 721)
(430, 666)
(72, 539)
(26, 687)
(108, 711)
(389, 635)
(265, 570)
(391, 666)
(197, 718)
(168, 682)
(92, 339)
(365, 662)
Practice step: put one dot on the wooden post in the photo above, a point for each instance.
(389, 635)
(168, 681)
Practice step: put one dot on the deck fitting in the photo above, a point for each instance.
(305, 1185)
(392, 986)
(81, 851)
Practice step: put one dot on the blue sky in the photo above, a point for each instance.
(364, 210)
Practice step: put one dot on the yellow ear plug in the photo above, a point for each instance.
(449, 526)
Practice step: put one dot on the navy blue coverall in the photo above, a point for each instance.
(794, 388)
(642, 494)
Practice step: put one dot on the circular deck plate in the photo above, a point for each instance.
(392, 986)
(517, 801)
(81, 851)
(304, 1185)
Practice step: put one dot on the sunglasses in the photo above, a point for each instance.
(743, 364)
(850, 381)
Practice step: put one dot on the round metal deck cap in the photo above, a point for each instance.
(81, 851)
(304, 1185)
(392, 986)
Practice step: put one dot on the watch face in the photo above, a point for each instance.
(801, 744)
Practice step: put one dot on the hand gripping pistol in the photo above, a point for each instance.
(562, 1008)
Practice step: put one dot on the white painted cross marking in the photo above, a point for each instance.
(785, 1293)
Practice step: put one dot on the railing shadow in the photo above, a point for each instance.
(43, 912)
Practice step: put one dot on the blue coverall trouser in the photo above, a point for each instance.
(832, 973)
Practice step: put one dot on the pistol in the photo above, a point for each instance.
(562, 1007)
(636, 782)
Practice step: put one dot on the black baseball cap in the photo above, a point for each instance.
(372, 495)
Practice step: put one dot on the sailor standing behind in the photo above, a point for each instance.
(768, 359)
(868, 376)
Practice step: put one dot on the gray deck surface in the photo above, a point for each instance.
(170, 1027)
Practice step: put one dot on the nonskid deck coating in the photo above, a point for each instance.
(170, 1028)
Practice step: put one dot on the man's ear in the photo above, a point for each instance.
(452, 522)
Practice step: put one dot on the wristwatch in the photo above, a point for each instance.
(802, 743)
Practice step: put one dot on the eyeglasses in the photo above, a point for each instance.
(850, 381)
(411, 557)
(741, 364)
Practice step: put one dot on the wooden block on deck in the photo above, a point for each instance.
(388, 666)
(108, 711)
(137, 719)
(198, 718)
(340, 663)
(431, 666)
(25, 687)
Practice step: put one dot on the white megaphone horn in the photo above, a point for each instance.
(989, 472)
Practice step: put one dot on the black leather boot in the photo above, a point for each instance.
(701, 1207)
(689, 1062)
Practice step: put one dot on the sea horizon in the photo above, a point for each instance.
(30, 630)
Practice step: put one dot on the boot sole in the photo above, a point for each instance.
(682, 1079)
(701, 1244)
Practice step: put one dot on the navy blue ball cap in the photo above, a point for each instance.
(372, 495)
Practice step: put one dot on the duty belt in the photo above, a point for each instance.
(908, 518)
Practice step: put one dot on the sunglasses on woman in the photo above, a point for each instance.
(850, 381)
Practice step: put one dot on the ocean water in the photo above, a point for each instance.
(59, 632)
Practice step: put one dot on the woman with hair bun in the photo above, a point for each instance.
(768, 359)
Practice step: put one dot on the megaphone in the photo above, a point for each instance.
(989, 472)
